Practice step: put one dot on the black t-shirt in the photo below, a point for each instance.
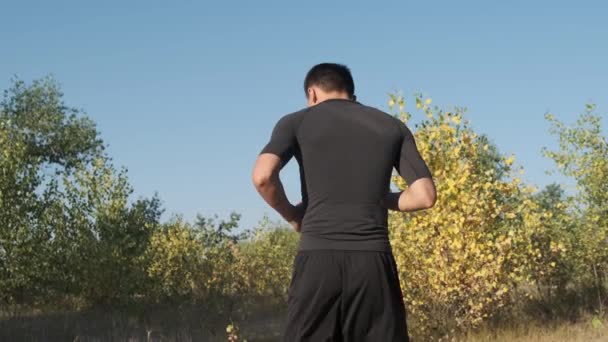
(346, 152)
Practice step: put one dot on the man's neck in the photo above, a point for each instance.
(337, 96)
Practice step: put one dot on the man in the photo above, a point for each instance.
(344, 285)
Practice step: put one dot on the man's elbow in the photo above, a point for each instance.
(266, 170)
(430, 200)
(427, 193)
(260, 180)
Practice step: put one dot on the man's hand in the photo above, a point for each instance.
(296, 216)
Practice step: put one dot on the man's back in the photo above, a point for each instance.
(346, 152)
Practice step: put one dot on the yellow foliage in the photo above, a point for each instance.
(461, 256)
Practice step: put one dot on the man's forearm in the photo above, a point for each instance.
(391, 200)
(273, 193)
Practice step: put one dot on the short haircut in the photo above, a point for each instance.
(330, 77)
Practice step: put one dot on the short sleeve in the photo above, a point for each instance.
(283, 140)
(409, 162)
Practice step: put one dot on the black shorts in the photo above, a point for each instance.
(345, 295)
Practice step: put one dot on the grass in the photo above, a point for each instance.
(531, 323)
(584, 331)
(266, 328)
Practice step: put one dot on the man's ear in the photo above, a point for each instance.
(312, 96)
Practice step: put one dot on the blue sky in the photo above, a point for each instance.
(186, 93)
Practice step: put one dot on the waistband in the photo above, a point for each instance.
(314, 243)
(341, 251)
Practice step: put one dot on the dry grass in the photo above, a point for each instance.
(568, 332)
(265, 326)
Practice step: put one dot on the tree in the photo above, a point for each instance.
(65, 224)
(41, 139)
(459, 261)
(583, 155)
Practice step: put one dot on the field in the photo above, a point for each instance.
(267, 327)
(570, 332)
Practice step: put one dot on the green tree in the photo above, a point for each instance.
(582, 155)
(65, 225)
(552, 269)
(41, 140)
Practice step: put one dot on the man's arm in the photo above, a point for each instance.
(274, 156)
(268, 184)
(421, 192)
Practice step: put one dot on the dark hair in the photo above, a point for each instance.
(330, 77)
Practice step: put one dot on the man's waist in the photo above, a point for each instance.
(326, 217)
(344, 241)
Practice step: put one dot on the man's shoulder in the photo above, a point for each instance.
(294, 116)
(390, 119)
(291, 117)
